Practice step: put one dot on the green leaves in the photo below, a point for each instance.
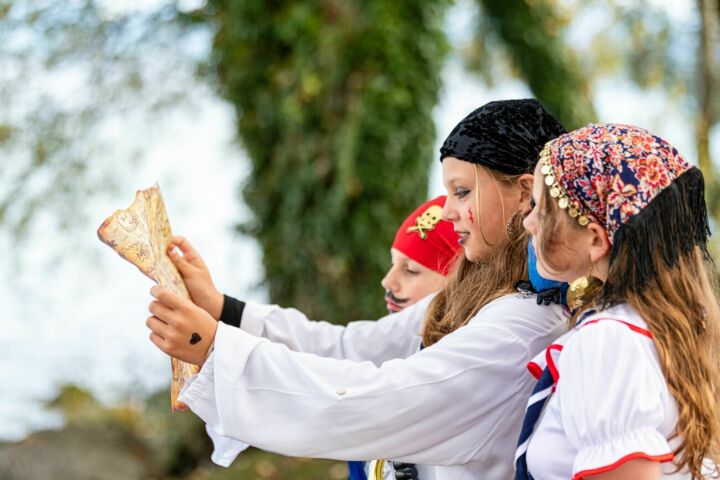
(334, 102)
(532, 33)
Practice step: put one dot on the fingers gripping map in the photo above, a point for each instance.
(141, 235)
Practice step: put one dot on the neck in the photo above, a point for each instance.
(602, 267)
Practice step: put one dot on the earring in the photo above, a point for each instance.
(510, 225)
(582, 290)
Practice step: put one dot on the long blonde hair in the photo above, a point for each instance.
(472, 285)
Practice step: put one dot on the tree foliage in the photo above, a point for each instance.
(532, 33)
(643, 42)
(707, 99)
(334, 101)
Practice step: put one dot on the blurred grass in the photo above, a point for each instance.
(258, 465)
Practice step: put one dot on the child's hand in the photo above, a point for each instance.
(196, 276)
(179, 327)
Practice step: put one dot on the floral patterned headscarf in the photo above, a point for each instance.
(608, 173)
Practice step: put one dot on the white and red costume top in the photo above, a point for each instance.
(611, 402)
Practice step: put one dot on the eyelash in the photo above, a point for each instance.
(461, 192)
(407, 270)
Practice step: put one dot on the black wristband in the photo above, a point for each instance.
(232, 311)
(405, 471)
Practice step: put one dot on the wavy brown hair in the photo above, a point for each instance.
(660, 266)
(472, 285)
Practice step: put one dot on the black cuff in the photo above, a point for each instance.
(232, 311)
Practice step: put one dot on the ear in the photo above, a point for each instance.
(598, 242)
(525, 182)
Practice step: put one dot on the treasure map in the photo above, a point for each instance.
(141, 235)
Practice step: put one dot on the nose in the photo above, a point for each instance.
(449, 213)
(389, 281)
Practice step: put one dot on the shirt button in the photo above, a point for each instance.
(340, 391)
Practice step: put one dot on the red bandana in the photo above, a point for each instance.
(428, 239)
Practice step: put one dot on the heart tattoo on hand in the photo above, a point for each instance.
(195, 338)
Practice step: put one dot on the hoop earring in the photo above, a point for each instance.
(510, 229)
(582, 290)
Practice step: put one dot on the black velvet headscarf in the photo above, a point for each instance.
(506, 136)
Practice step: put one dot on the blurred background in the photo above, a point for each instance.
(289, 138)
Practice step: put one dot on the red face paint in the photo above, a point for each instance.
(470, 215)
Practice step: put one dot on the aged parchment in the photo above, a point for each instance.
(141, 235)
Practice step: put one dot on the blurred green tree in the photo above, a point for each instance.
(532, 34)
(707, 101)
(643, 42)
(334, 101)
(652, 50)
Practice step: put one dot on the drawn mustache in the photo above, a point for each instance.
(394, 299)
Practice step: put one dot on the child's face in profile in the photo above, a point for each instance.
(408, 281)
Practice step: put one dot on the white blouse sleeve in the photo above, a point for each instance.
(449, 404)
(612, 398)
(393, 336)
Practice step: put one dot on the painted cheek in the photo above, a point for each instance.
(470, 215)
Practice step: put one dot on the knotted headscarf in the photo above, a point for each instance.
(646, 196)
(608, 173)
(505, 136)
(428, 239)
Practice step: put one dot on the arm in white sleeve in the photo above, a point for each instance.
(393, 336)
(613, 406)
(446, 405)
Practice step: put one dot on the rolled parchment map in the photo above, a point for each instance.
(141, 235)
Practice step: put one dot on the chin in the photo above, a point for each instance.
(545, 273)
(477, 255)
(394, 308)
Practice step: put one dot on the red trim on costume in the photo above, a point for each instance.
(632, 327)
(535, 370)
(551, 363)
(633, 456)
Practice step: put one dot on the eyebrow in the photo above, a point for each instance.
(454, 179)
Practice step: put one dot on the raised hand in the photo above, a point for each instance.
(196, 276)
(179, 327)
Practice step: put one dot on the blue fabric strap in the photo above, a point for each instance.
(539, 282)
(357, 470)
(537, 401)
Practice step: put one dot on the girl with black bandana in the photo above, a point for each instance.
(297, 387)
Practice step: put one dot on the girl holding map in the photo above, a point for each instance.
(301, 388)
